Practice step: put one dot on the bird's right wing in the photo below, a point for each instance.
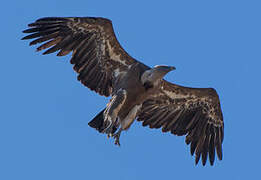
(97, 55)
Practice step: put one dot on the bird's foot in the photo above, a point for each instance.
(116, 136)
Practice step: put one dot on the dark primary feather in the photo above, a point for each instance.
(194, 112)
(96, 52)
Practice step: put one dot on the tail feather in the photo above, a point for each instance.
(97, 122)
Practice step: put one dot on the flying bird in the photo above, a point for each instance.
(137, 91)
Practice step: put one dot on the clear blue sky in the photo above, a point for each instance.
(45, 110)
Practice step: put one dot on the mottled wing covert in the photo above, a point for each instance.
(194, 112)
(96, 54)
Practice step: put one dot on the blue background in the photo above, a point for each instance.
(44, 111)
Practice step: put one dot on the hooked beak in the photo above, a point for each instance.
(165, 69)
(172, 68)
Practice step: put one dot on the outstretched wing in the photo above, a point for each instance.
(97, 55)
(195, 112)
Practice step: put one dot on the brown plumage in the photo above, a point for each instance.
(93, 43)
(194, 112)
(138, 91)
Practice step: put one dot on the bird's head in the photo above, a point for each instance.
(154, 75)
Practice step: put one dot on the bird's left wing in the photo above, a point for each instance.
(97, 55)
(192, 111)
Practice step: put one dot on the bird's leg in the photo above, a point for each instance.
(109, 135)
(111, 112)
(116, 136)
(108, 123)
(113, 128)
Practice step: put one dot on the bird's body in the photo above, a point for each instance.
(137, 91)
(130, 82)
(127, 98)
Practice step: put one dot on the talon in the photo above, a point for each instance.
(116, 136)
(117, 142)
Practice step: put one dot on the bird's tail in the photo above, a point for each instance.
(98, 123)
